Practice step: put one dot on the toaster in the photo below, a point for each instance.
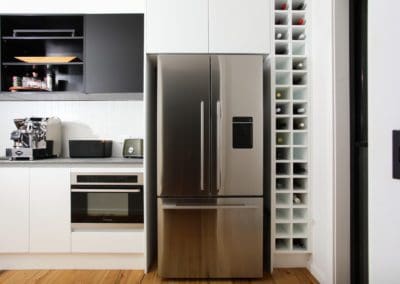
(133, 148)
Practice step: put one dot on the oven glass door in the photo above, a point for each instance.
(107, 207)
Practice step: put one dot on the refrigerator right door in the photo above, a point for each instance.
(237, 125)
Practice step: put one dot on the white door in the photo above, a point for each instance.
(50, 225)
(14, 210)
(238, 26)
(177, 26)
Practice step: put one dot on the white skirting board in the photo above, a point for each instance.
(72, 261)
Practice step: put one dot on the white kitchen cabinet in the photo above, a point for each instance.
(177, 26)
(238, 26)
(50, 225)
(14, 210)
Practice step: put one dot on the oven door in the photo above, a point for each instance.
(119, 204)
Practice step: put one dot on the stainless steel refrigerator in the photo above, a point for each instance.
(210, 166)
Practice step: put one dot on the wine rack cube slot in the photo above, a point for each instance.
(282, 169)
(299, 199)
(282, 93)
(300, 154)
(282, 123)
(298, 5)
(299, 214)
(282, 229)
(300, 169)
(283, 138)
(283, 214)
(299, 93)
(281, 5)
(291, 125)
(299, 229)
(281, 19)
(299, 108)
(282, 244)
(282, 63)
(282, 48)
(300, 139)
(282, 184)
(282, 153)
(281, 33)
(300, 123)
(298, 48)
(298, 19)
(299, 244)
(299, 33)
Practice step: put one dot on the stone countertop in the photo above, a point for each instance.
(74, 161)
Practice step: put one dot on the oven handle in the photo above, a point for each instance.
(106, 191)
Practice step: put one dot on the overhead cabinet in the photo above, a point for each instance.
(72, 53)
(208, 26)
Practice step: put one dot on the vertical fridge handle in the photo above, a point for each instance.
(218, 168)
(202, 145)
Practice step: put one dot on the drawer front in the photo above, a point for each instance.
(108, 242)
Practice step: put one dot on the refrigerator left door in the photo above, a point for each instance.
(183, 122)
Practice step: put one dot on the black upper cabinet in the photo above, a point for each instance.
(113, 53)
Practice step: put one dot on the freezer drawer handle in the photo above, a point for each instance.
(219, 152)
(209, 207)
(202, 145)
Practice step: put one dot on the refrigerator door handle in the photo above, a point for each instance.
(202, 145)
(219, 126)
(207, 207)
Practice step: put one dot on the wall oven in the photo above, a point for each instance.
(114, 199)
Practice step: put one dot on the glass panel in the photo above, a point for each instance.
(107, 204)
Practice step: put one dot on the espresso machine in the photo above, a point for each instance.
(35, 138)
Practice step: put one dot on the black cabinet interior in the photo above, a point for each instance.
(43, 36)
(114, 53)
(108, 51)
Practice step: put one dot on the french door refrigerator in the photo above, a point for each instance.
(210, 166)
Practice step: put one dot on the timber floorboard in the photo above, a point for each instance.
(279, 276)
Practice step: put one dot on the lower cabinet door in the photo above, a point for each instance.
(14, 210)
(50, 225)
(219, 238)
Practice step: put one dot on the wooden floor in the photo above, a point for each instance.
(280, 276)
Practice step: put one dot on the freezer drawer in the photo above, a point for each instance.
(210, 238)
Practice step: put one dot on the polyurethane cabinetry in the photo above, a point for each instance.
(114, 53)
(237, 26)
(50, 217)
(14, 210)
(177, 26)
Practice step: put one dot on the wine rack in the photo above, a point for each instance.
(290, 126)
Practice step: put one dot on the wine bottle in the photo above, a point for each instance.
(281, 50)
(280, 154)
(299, 169)
(279, 36)
(284, 6)
(279, 140)
(299, 66)
(301, 36)
(281, 125)
(296, 199)
(301, 6)
(300, 125)
(278, 95)
(300, 21)
(278, 110)
(299, 110)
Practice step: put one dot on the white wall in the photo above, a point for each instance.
(86, 119)
(321, 262)
(72, 6)
(384, 116)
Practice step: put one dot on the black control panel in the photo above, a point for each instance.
(396, 154)
(242, 132)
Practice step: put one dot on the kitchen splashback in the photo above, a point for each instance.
(115, 120)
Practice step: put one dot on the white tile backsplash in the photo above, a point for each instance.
(115, 120)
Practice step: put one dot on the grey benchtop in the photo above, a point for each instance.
(70, 161)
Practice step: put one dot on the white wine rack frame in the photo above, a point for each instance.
(290, 129)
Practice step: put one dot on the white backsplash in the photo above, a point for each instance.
(80, 119)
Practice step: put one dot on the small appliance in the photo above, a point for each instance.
(133, 148)
(90, 148)
(35, 138)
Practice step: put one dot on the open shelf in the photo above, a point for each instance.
(283, 214)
